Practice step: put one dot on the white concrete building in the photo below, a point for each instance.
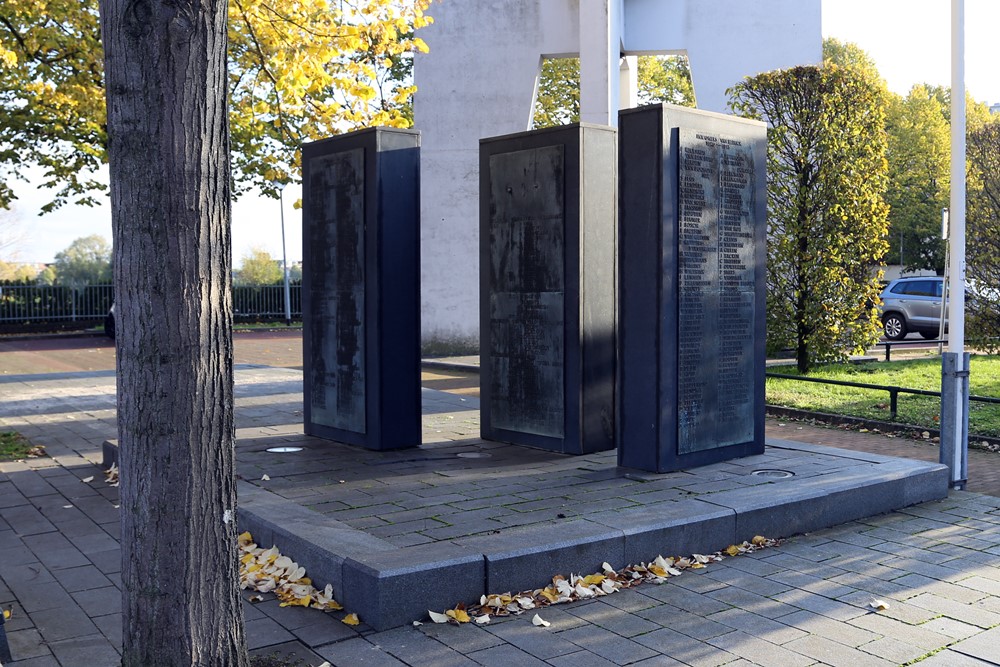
(480, 80)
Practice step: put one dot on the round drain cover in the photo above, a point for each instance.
(777, 474)
(473, 455)
(283, 450)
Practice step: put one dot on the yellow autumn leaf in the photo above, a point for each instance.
(459, 615)
(351, 619)
(733, 550)
(593, 579)
(758, 540)
(549, 594)
(6, 614)
(658, 571)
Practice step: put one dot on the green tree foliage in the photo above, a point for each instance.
(660, 79)
(919, 178)
(296, 72)
(257, 267)
(558, 99)
(827, 177)
(849, 54)
(87, 261)
(665, 79)
(983, 237)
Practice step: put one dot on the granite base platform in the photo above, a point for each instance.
(388, 585)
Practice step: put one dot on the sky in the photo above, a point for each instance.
(908, 39)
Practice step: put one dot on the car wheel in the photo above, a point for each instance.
(109, 326)
(894, 326)
(929, 335)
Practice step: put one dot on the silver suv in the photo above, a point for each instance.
(912, 304)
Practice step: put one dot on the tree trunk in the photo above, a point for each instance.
(165, 64)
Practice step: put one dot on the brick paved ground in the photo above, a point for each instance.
(804, 603)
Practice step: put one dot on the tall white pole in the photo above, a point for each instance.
(956, 214)
(284, 257)
(955, 365)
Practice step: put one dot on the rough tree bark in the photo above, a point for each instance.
(169, 153)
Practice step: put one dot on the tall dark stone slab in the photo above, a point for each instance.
(547, 292)
(361, 288)
(692, 235)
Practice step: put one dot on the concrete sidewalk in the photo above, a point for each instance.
(805, 602)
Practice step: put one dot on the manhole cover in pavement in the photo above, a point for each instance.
(284, 450)
(473, 455)
(777, 474)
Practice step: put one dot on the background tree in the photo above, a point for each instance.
(919, 157)
(86, 261)
(298, 71)
(257, 267)
(17, 272)
(983, 237)
(165, 64)
(827, 223)
(660, 79)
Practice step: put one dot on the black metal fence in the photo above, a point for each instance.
(25, 305)
(22, 304)
(894, 392)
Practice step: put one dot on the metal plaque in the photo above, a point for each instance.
(526, 302)
(716, 291)
(337, 297)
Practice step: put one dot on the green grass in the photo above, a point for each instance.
(984, 380)
(14, 446)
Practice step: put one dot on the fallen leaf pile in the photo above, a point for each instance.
(267, 571)
(577, 587)
(111, 475)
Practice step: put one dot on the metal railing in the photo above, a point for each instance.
(38, 304)
(894, 392)
(265, 301)
(28, 304)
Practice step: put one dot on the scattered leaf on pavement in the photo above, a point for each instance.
(539, 621)
(351, 619)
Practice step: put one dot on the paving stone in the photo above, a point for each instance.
(691, 601)
(581, 659)
(832, 653)
(685, 622)
(953, 659)
(55, 551)
(541, 643)
(27, 643)
(983, 646)
(266, 632)
(612, 618)
(461, 638)
(755, 625)
(759, 651)
(415, 648)
(81, 578)
(894, 650)
(820, 605)
(505, 655)
(608, 645)
(111, 627)
(684, 649)
(92, 650)
(956, 610)
(918, 583)
(758, 604)
(63, 622)
(840, 632)
(290, 651)
(100, 601)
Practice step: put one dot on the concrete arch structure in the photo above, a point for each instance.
(480, 80)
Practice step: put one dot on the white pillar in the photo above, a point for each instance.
(599, 48)
(628, 87)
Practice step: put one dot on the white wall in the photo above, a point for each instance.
(480, 77)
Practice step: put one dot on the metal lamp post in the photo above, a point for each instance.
(284, 256)
(955, 362)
